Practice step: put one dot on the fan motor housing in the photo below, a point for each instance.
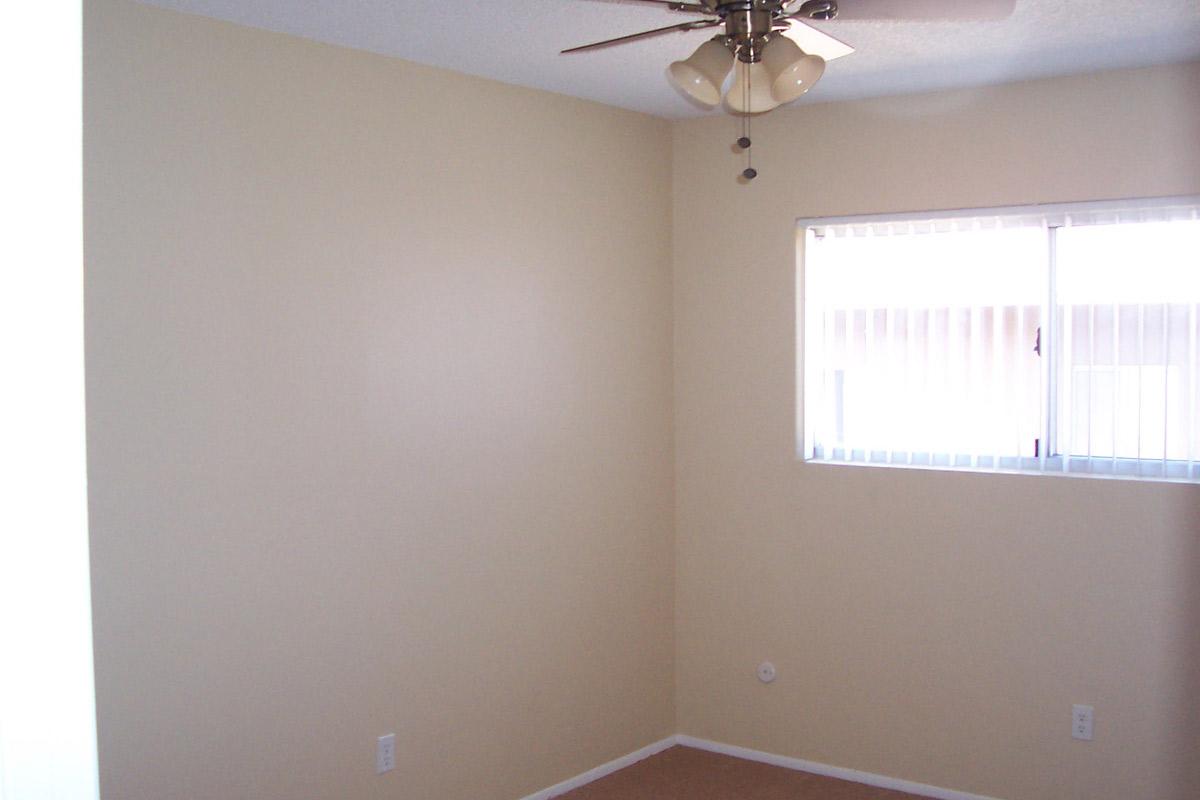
(749, 23)
(747, 27)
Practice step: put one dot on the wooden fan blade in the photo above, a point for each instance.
(923, 10)
(683, 26)
(815, 42)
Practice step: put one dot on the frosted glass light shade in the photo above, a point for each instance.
(792, 71)
(700, 76)
(798, 78)
(760, 98)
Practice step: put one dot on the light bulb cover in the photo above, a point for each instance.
(792, 71)
(759, 99)
(701, 74)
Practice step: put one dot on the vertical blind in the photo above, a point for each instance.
(1058, 339)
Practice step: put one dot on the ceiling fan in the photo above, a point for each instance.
(775, 56)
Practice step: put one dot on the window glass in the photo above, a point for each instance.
(1059, 341)
(927, 342)
(1127, 299)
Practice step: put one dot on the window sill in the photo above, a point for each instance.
(1075, 467)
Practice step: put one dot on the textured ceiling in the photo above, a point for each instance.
(517, 41)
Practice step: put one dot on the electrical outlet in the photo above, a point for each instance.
(1081, 722)
(385, 754)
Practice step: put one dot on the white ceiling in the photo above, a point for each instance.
(517, 41)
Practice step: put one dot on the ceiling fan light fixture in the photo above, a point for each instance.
(751, 90)
(701, 74)
(792, 72)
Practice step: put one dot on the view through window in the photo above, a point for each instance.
(1060, 339)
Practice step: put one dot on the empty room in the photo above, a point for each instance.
(601, 399)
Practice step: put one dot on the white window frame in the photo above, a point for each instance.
(1052, 216)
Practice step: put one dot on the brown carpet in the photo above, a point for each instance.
(684, 773)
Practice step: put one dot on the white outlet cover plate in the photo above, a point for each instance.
(1081, 722)
(385, 754)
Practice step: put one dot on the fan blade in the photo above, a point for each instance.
(923, 10)
(683, 26)
(815, 42)
(672, 5)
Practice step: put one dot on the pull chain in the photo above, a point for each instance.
(749, 173)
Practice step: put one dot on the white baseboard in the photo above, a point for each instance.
(869, 778)
(604, 769)
(815, 767)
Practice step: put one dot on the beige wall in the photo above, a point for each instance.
(926, 625)
(380, 410)
(379, 384)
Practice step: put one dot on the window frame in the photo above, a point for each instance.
(1052, 216)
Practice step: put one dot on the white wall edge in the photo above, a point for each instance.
(868, 778)
(601, 771)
